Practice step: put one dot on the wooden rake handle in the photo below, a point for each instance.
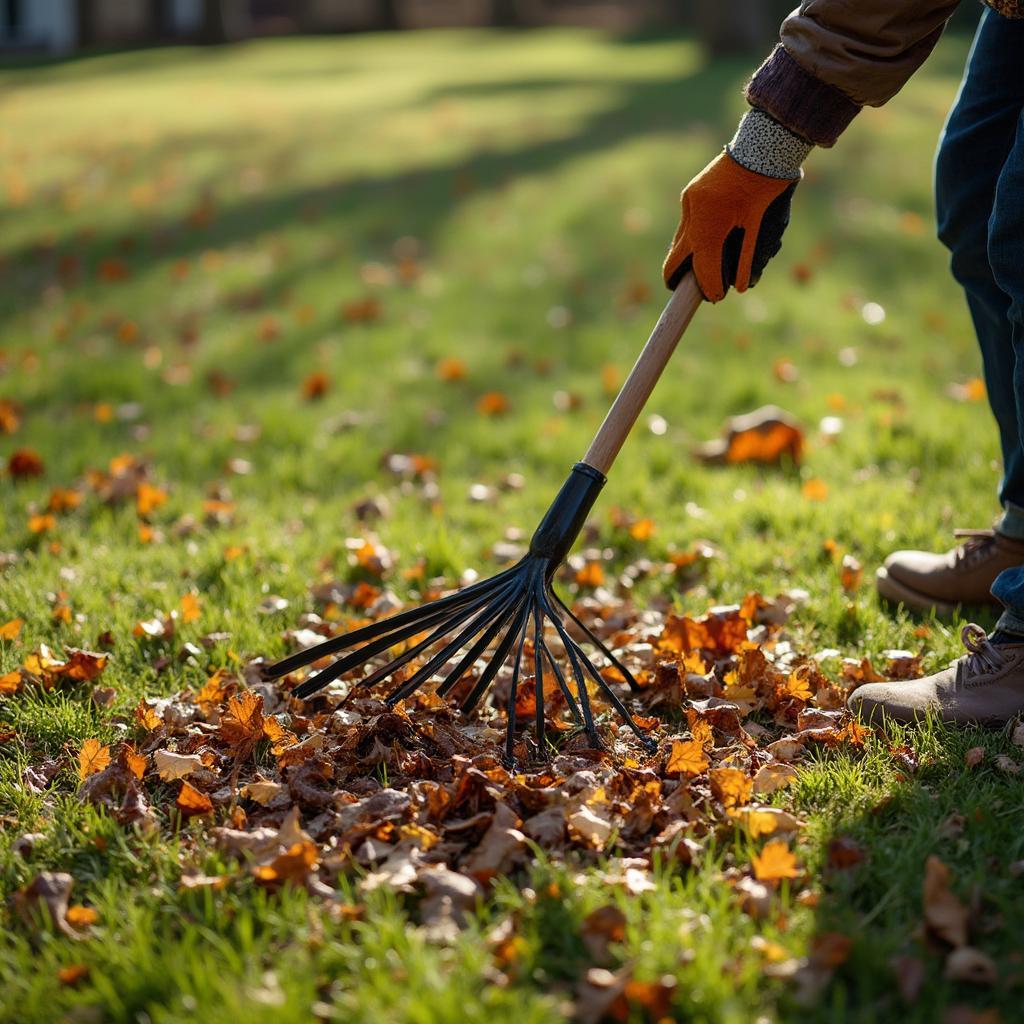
(631, 399)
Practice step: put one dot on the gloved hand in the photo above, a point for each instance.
(733, 216)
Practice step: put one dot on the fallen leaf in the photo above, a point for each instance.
(730, 786)
(92, 757)
(771, 777)
(81, 917)
(12, 629)
(974, 757)
(686, 758)
(191, 802)
(191, 607)
(171, 766)
(775, 862)
(25, 463)
(72, 974)
(944, 914)
(766, 435)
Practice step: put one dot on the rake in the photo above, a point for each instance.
(494, 617)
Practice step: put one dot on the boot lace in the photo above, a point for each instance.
(982, 658)
(976, 547)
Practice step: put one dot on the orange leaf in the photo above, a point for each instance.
(730, 786)
(191, 802)
(292, 866)
(775, 862)
(815, 489)
(686, 757)
(591, 575)
(493, 403)
(81, 917)
(642, 530)
(148, 498)
(42, 523)
(132, 760)
(451, 369)
(797, 686)
(10, 416)
(11, 682)
(242, 722)
(850, 574)
(280, 738)
(361, 311)
(146, 718)
(72, 974)
(92, 758)
(190, 607)
(213, 690)
(10, 630)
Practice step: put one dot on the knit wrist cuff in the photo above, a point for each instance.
(764, 146)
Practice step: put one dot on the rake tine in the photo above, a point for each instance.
(424, 673)
(510, 709)
(476, 650)
(523, 610)
(596, 640)
(612, 696)
(559, 675)
(448, 621)
(538, 677)
(427, 612)
(578, 674)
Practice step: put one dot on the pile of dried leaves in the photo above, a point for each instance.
(418, 798)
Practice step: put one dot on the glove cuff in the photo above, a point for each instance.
(764, 146)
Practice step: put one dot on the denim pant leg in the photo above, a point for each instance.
(1006, 255)
(975, 144)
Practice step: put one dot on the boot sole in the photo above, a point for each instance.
(895, 592)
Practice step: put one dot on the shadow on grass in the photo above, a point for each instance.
(911, 797)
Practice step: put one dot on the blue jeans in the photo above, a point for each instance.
(979, 192)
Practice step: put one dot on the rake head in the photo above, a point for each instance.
(494, 619)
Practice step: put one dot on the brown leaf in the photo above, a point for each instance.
(171, 766)
(293, 866)
(49, 892)
(944, 914)
(974, 757)
(24, 463)
(600, 928)
(910, 974)
(241, 725)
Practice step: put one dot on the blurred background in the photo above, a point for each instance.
(65, 26)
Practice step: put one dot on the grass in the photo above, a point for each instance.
(248, 194)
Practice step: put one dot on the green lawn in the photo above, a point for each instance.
(187, 238)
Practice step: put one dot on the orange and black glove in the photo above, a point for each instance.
(733, 217)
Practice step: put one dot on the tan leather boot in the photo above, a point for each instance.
(985, 686)
(925, 581)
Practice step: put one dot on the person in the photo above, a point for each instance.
(834, 58)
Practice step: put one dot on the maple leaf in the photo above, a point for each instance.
(280, 738)
(92, 757)
(241, 725)
(687, 757)
(83, 666)
(797, 686)
(213, 691)
(145, 717)
(775, 862)
(192, 803)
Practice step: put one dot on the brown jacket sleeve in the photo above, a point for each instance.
(837, 56)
